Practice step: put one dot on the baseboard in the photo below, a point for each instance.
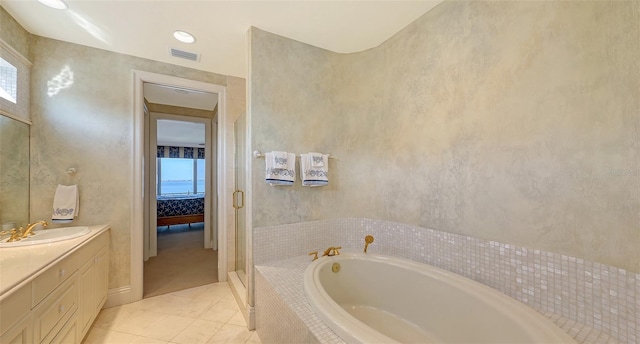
(118, 296)
(240, 294)
(252, 318)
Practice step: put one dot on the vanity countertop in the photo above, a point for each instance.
(20, 265)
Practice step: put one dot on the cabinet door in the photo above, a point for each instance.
(20, 333)
(101, 279)
(87, 291)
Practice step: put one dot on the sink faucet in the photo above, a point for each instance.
(31, 226)
(332, 251)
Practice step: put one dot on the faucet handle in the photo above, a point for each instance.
(335, 249)
(367, 240)
(315, 255)
(16, 234)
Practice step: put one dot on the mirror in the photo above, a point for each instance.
(14, 172)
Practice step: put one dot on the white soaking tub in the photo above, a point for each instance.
(381, 299)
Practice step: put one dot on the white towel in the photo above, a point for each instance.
(317, 160)
(284, 173)
(280, 159)
(65, 203)
(314, 175)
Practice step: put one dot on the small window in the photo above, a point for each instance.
(8, 81)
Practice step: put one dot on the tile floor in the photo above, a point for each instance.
(205, 314)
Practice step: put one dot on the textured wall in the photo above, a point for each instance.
(508, 121)
(89, 126)
(292, 90)
(14, 171)
(14, 34)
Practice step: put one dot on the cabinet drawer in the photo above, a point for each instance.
(91, 248)
(14, 307)
(68, 334)
(55, 311)
(52, 277)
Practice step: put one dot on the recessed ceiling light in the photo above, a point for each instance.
(57, 4)
(184, 36)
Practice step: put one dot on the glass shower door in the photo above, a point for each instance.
(238, 198)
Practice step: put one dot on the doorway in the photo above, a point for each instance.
(221, 180)
(181, 252)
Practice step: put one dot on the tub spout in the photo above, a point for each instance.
(332, 251)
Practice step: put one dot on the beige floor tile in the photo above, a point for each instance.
(102, 336)
(192, 292)
(147, 340)
(162, 304)
(220, 312)
(229, 298)
(141, 322)
(210, 296)
(231, 334)
(192, 308)
(200, 331)
(197, 315)
(167, 328)
(253, 339)
(113, 317)
(237, 319)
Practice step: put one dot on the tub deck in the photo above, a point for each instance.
(284, 279)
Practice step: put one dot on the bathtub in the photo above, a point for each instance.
(381, 299)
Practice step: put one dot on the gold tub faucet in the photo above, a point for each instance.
(332, 251)
(31, 226)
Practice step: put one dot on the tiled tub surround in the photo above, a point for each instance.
(579, 295)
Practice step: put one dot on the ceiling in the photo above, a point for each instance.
(145, 28)
(181, 134)
(181, 97)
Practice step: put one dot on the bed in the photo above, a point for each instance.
(185, 209)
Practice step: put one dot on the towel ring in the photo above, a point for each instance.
(71, 171)
(257, 154)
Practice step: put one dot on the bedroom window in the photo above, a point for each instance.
(179, 176)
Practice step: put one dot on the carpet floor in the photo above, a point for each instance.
(181, 263)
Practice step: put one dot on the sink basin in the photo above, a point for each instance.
(46, 236)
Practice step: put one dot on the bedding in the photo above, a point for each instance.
(184, 209)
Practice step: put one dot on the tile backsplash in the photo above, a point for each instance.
(599, 296)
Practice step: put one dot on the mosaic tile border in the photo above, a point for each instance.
(598, 296)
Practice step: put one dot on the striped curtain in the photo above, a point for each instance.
(180, 152)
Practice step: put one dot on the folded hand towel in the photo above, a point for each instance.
(280, 159)
(65, 203)
(317, 160)
(314, 175)
(283, 173)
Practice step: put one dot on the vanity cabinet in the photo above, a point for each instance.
(61, 301)
(92, 278)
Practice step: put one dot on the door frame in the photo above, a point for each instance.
(208, 204)
(223, 176)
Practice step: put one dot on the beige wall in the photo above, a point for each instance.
(89, 126)
(508, 121)
(14, 34)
